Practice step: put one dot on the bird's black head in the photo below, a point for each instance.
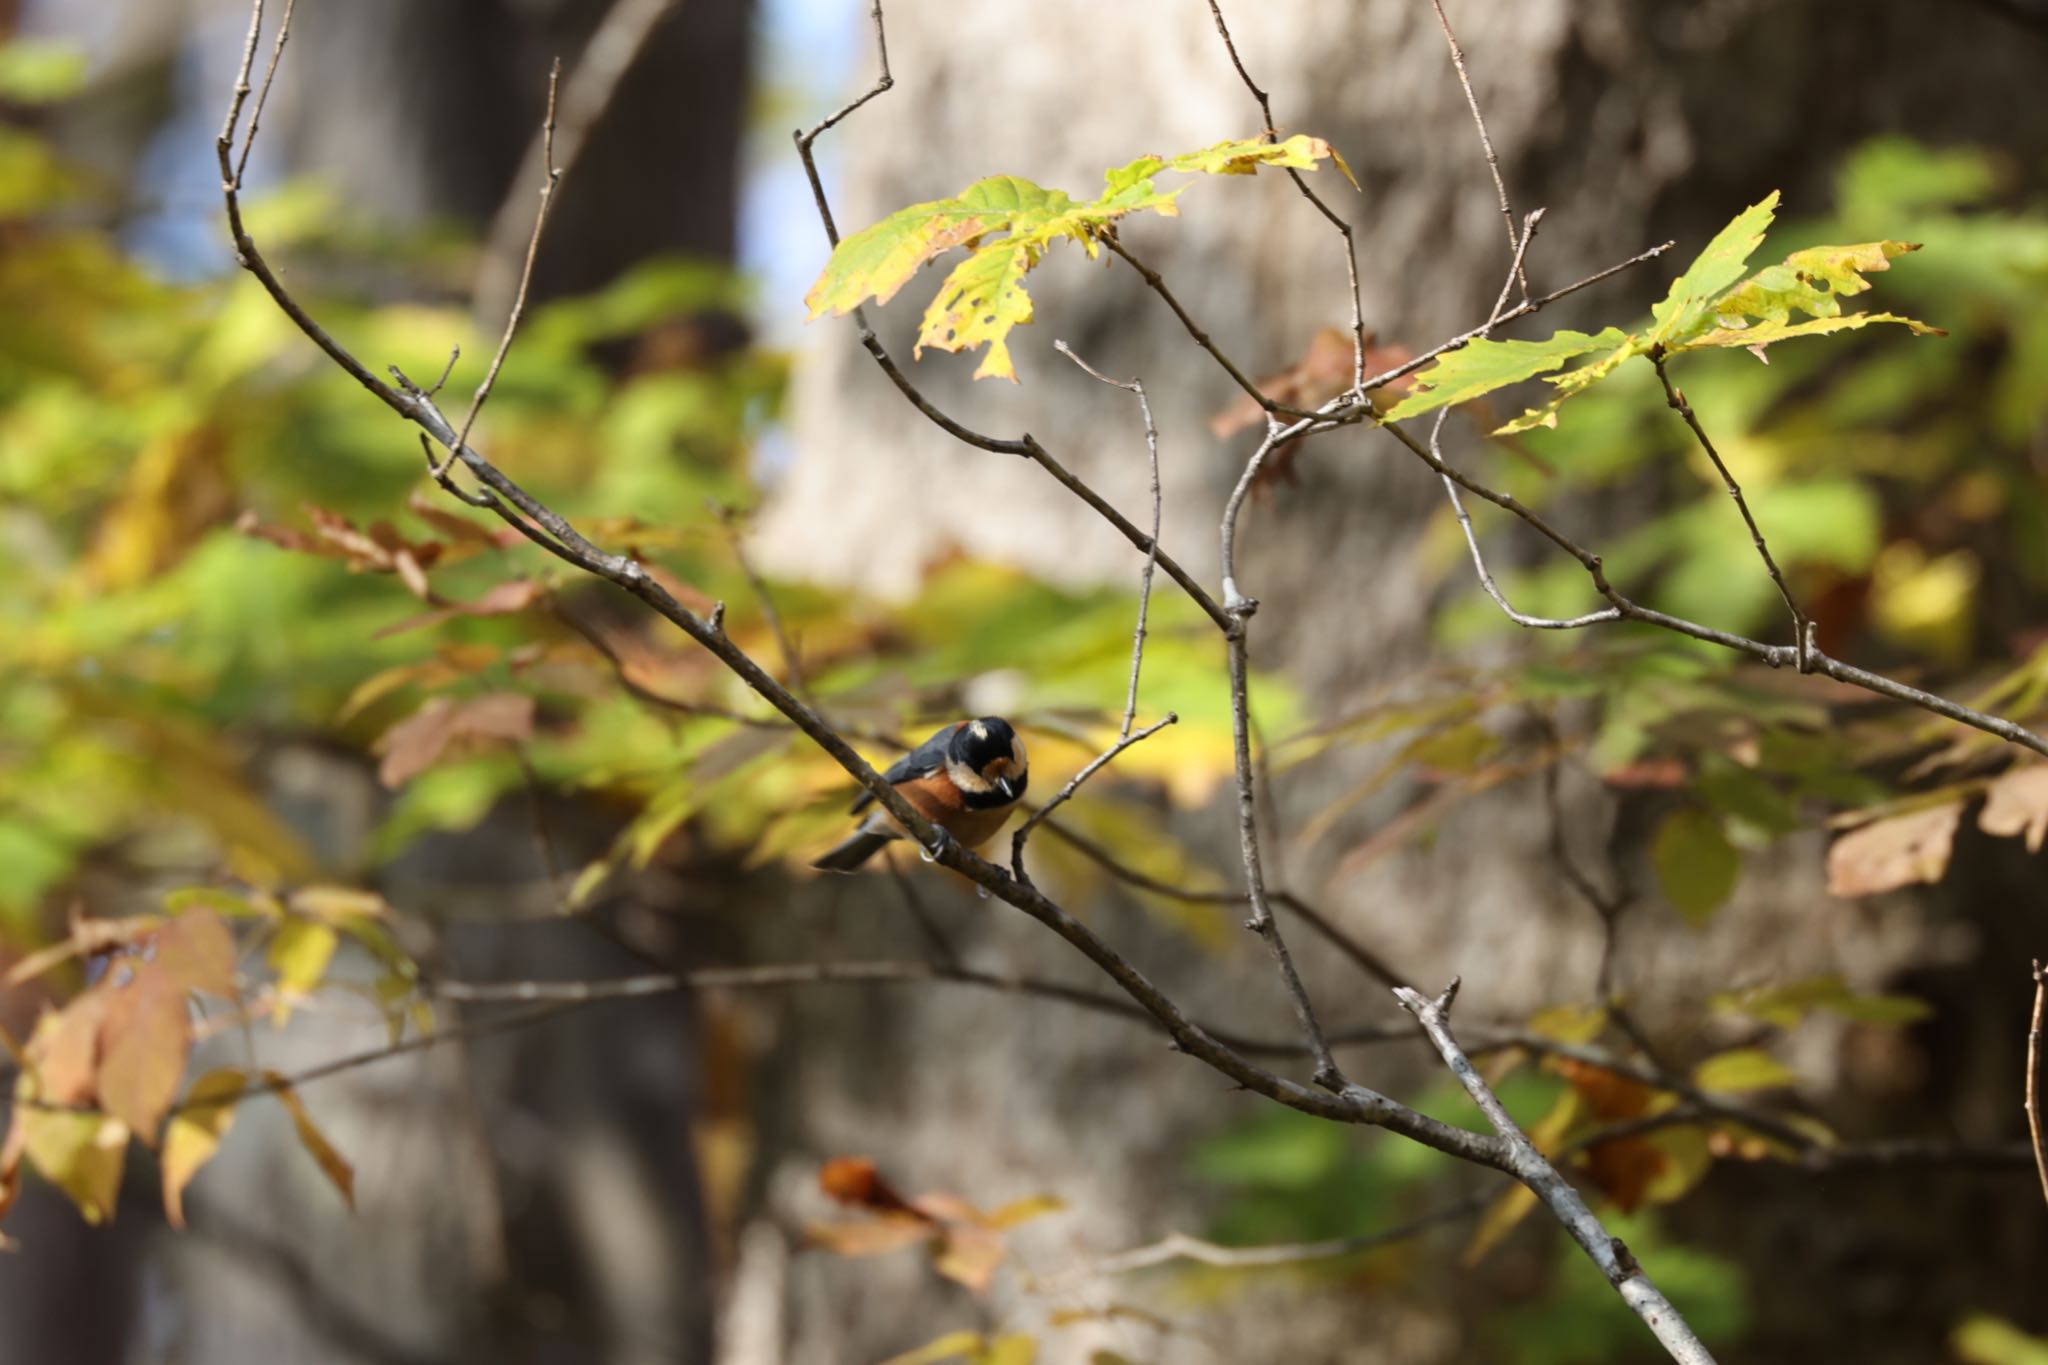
(986, 759)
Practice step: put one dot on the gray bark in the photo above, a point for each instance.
(1630, 123)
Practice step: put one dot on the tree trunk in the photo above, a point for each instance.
(1630, 123)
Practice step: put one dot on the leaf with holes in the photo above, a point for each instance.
(1007, 223)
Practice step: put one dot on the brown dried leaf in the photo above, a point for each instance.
(1323, 372)
(196, 952)
(88, 938)
(460, 528)
(2018, 804)
(419, 741)
(64, 1050)
(854, 1181)
(503, 600)
(144, 1038)
(1894, 852)
(969, 1255)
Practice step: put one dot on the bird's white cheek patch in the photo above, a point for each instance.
(966, 779)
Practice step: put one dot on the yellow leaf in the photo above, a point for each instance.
(1984, 1340)
(337, 905)
(1925, 603)
(81, 1154)
(1743, 1069)
(1569, 1023)
(1502, 1217)
(299, 954)
(195, 1133)
(331, 1163)
(1023, 1211)
(974, 1348)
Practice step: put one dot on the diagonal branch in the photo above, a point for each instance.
(1801, 630)
(1530, 1167)
(541, 524)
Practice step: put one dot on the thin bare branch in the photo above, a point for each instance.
(1336, 220)
(551, 177)
(1497, 318)
(1801, 634)
(2034, 1078)
(942, 951)
(791, 664)
(1157, 284)
(1100, 761)
(284, 28)
(1500, 186)
(1179, 1246)
(1530, 1167)
(1025, 445)
(1136, 387)
(1775, 656)
(612, 50)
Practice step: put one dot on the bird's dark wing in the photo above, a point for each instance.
(926, 759)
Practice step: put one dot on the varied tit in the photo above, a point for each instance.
(965, 779)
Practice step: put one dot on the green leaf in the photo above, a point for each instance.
(1696, 865)
(1482, 366)
(983, 297)
(1785, 1006)
(1573, 383)
(1690, 297)
(1741, 1070)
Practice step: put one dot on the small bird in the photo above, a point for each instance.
(965, 779)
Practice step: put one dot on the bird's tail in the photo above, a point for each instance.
(860, 846)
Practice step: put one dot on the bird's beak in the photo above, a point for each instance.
(1011, 787)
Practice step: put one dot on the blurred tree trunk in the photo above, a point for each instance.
(1630, 123)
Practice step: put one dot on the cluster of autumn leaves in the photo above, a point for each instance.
(106, 1066)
